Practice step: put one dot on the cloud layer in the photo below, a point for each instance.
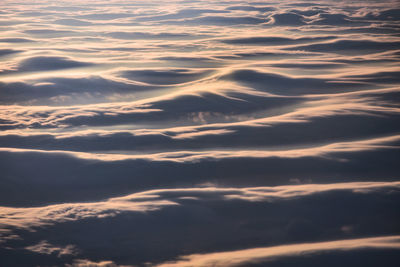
(199, 133)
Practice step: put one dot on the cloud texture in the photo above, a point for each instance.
(199, 133)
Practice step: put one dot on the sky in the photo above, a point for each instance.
(199, 133)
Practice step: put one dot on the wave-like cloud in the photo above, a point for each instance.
(193, 156)
(94, 175)
(260, 255)
(199, 132)
(210, 211)
(30, 218)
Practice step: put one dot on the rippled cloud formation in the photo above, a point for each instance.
(199, 133)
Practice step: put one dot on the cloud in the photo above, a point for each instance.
(392, 14)
(350, 47)
(192, 62)
(43, 247)
(336, 20)
(390, 77)
(88, 263)
(72, 22)
(354, 123)
(219, 20)
(104, 16)
(15, 40)
(66, 90)
(275, 40)
(5, 52)
(154, 200)
(207, 136)
(49, 117)
(151, 36)
(147, 133)
(44, 63)
(164, 77)
(308, 65)
(193, 156)
(287, 19)
(346, 116)
(50, 33)
(236, 101)
(85, 176)
(185, 13)
(259, 255)
(251, 8)
(286, 85)
(263, 216)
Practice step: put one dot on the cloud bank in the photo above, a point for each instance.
(199, 133)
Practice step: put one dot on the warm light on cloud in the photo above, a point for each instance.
(199, 133)
(259, 255)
